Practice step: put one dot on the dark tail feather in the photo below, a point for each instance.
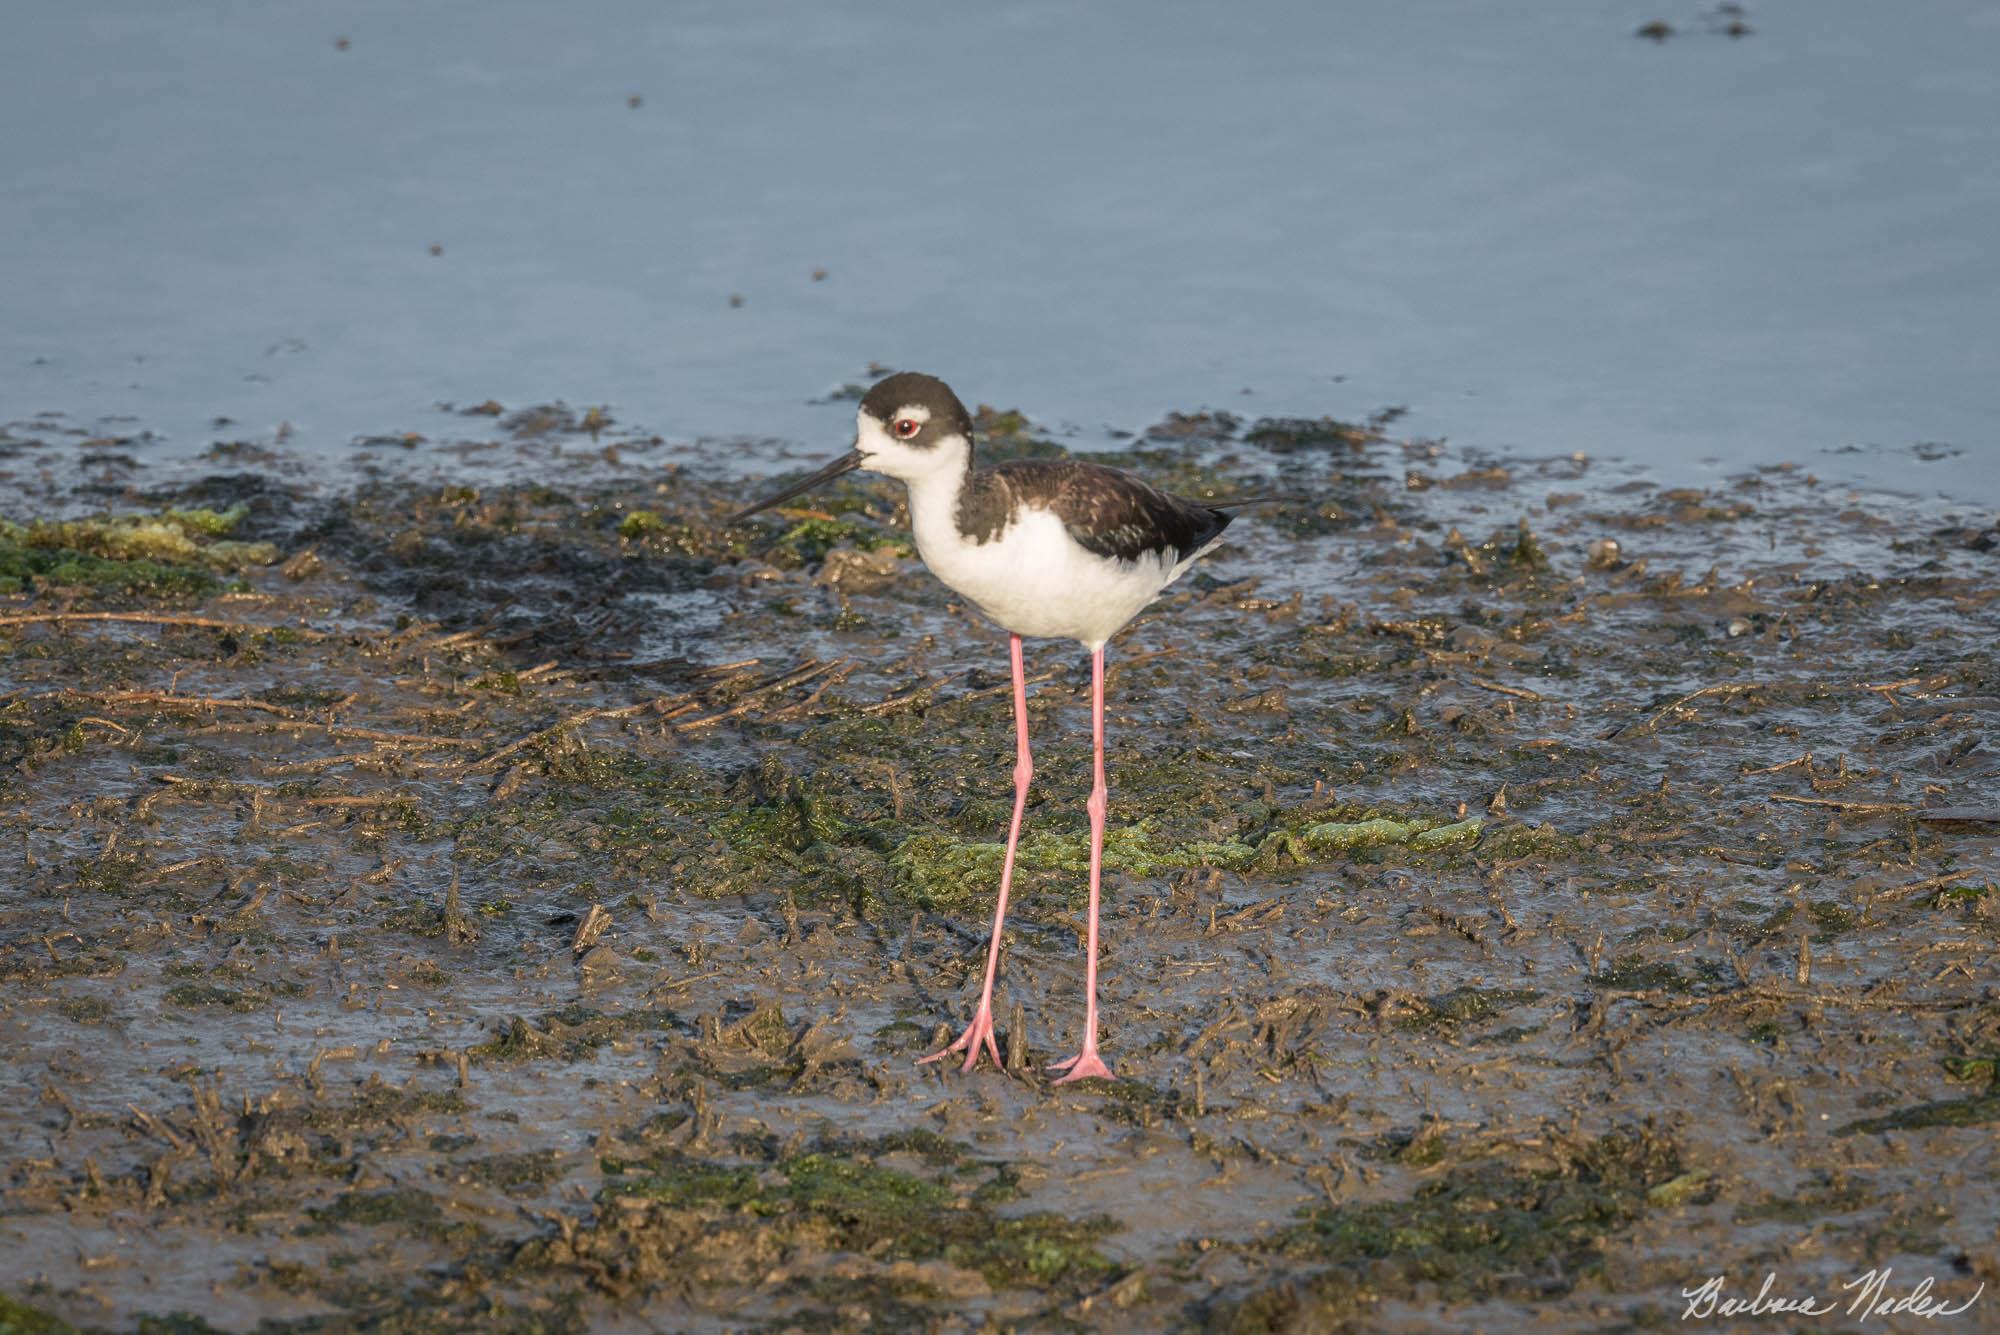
(1246, 500)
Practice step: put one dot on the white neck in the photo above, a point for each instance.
(934, 509)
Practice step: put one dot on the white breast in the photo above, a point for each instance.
(1033, 579)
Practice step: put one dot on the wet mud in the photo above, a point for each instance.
(494, 903)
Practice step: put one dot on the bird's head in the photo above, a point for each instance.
(909, 426)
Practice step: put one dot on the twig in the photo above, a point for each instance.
(315, 766)
(168, 699)
(717, 669)
(1928, 883)
(1839, 804)
(150, 619)
(593, 926)
(156, 1126)
(1805, 759)
(1008, 689)
(675, 984)
(1721, 689)
(805, 706)
(1661, 999)
(797, 677)
(1518, 692)
(577, 719)
(342, 731)
(921, 693)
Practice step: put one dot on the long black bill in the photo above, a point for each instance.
(846, 463)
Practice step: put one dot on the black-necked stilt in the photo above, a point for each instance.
(1043, 547)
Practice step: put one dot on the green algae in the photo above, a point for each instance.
(939, 870)
(1487, 1228)
(1973, 1069)
(1636, 973)
(84, 1010)
(17, 1318)
(1427, 836)
(809, 540)
(411, 1210)
(1826, 1197)
(195, 995)
(377, 1103)
(1290, 435)
(571, 1034)
(1467, 1005)
(869, 1203)
(1678, 1191)
(518, 1174)
(854, 1204)
(409, 1206)
(170, 554)
(1972, 1111)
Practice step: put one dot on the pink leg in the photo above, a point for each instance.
(980, 1032)
(1087, 1063)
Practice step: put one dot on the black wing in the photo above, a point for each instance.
(1107, 511)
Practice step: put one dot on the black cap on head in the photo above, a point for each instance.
(914, 389)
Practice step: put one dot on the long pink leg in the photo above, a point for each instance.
(1087, 1063)
(980, 1032)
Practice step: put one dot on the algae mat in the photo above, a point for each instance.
(502, 906)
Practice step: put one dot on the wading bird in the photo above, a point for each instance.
(1043, 547)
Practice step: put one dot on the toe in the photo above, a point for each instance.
(1085, 1066)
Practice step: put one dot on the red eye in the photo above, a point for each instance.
(907, 427)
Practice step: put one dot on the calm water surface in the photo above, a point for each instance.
(1535, 230)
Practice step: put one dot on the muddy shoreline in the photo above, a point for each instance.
(518, 905)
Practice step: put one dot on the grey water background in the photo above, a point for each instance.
(1538, 232)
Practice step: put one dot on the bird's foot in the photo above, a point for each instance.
(1086, 1065)
(977, 1036)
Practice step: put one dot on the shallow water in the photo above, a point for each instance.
(1537, 231)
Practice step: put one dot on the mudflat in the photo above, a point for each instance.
(1531, 892)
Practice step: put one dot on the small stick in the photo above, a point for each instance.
(149, 619)
(341, 730)
(1518, 692)
(593, 926)
(1876, 807)
(1928, 883)
(923, 692)
(991, 691)
(324, 762)
(582, 716)
(804, 707)
(1722, 689)
(749, 701)
(169, 699)
(1805, 759)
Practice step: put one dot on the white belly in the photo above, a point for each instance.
(1034, 580)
